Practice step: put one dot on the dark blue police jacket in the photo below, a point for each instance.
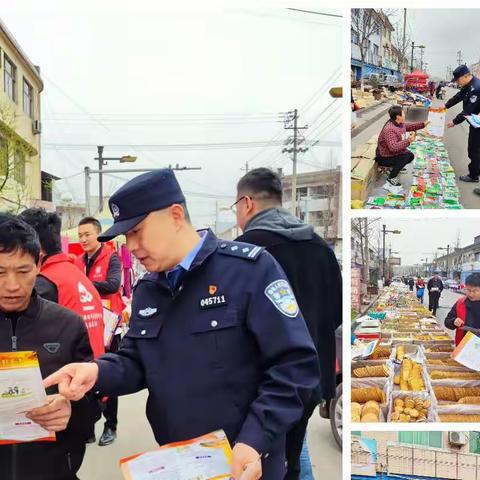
(228, 349)
(470, 95)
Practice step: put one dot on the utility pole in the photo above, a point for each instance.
(421, 59)
(411, 60)
(366, 256)
(291, 123)
(100, 179)
(404, 29)
(87, 189)
(245, 169)
(384, 232)
(459, 57)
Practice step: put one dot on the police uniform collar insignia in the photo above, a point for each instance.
(147, 312)
(115, 210)
(212, 289)
(281, 295)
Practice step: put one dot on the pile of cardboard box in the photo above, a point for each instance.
(364, 170)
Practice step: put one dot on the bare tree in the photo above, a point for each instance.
(15, 188)
(401, 44)
(366, 22)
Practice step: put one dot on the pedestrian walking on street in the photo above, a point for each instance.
(411, 283)
(216, 334)
(103, 267)
(420, 285)
(435, 288)
(469, 94)
(392, 149)
(312, 270)
(58, 336)
(466, 311)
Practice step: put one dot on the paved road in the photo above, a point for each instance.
(456, 139)
(455, 142)
(447, 300)
(134, 435)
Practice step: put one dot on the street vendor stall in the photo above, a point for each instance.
(417, 81)
(410, 376)
(433, 182)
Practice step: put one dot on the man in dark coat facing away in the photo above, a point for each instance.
(313, 272)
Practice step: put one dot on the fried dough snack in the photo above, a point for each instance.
(400, 352)
(454, 394)
(363, 395)
(442, 374)
(445, 362)
(380, 353)
(410, 409)
(459, 418)
(411, 376)
(371, 371)
(470, 400)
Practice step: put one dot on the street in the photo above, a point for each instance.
(455, 141)
(135, 436)
(447, 300)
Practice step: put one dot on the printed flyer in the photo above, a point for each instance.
(203, 458)
(21, 390)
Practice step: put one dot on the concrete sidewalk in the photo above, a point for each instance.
(135, 435)
(368, 116)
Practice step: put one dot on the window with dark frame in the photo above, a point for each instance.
(27, 98)
(9, 78)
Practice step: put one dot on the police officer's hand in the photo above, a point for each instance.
(246, 463)
(458, 322)
(74, 380)
(450, 124)
(54, 416)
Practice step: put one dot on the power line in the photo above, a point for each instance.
(315, 13)
(166, 147)
(322, 89)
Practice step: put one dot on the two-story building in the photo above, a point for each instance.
(20, 89)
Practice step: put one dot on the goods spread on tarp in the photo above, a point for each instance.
(410, 376)
(433, 185)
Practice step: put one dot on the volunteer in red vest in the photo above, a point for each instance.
(59, 279)
(103, 267)
(466, 310)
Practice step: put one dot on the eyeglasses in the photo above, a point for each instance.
(233, 207)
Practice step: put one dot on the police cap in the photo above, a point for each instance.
(142, 195)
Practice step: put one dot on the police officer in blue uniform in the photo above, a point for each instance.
(470, 95)
(216, 335)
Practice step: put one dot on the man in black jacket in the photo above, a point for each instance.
(435, 288)
(59, 336)
(313, 272)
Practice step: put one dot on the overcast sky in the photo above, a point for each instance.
(420, 238)
(182, 66)
(443, 32)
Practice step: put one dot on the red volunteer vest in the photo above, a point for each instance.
(461, 313)
(76, 292)
(99, 272)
